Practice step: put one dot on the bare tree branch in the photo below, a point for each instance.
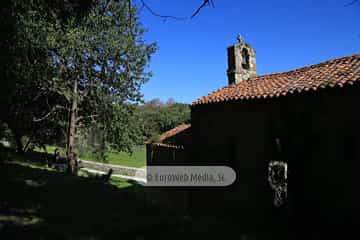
(48, 114)
(165, 17)
(90, 116)
(204, 4)
(130, 14)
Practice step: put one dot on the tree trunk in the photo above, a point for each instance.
(72, 132)
(19, 145)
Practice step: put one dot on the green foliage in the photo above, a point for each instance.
(107, 57)
(99, 46)
(5, 133)
(53, 44)
(91, 142)
(156, 117)
(123, 133)
(25, 66)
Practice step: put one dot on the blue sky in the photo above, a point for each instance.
(286, 34)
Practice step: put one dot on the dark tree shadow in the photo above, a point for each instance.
(37, 203)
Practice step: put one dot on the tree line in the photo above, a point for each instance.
(145, 121)
(155, 117)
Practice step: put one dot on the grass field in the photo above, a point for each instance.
(136, 159)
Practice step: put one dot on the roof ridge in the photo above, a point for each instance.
(308, 66)
(171, 132)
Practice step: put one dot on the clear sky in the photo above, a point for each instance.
(286, 34)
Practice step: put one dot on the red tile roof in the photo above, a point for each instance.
(171, 133)
(167, 145)
(335, 72)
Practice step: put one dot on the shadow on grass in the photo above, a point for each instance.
(39, 204)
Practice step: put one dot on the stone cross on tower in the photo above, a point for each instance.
(240, 39)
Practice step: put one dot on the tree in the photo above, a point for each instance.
(25, 68)
(170, 101)
(80, 68)
(66, 64)
(100, 64)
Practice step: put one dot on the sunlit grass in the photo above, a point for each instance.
(136, 159)
(119, 182)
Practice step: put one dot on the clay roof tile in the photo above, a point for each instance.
(335, 72)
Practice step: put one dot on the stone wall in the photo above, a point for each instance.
(172, 198)
(122, 170)
(320, 138)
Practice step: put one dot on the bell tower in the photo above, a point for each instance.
(241, 62)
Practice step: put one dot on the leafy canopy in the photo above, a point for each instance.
(98, 45)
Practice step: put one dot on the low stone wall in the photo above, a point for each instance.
(117, 169)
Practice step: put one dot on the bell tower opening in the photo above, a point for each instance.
(245, 58)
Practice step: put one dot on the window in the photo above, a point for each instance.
(277, 173)
(245, 58)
